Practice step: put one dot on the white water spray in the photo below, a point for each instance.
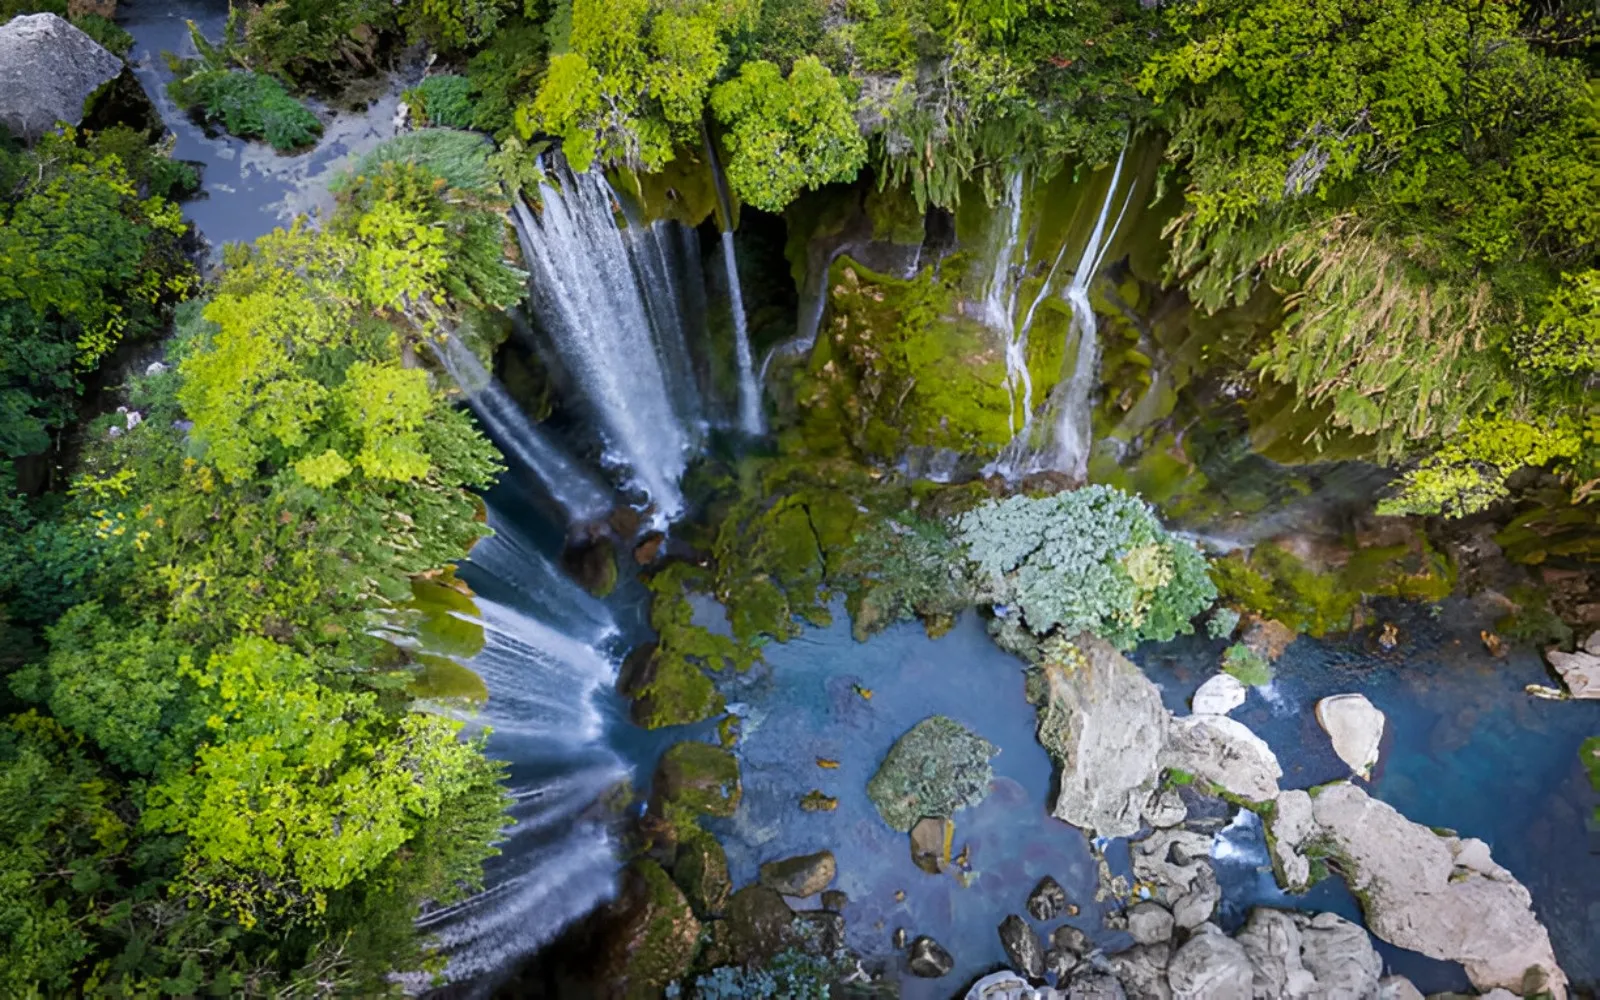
(749, 389)
(593, 291)
(572, 487)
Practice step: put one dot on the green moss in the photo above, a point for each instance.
(699, 778)
(1589, 756)
(1274, 584)
(665, 949)
(700, 869)
(894, 215)
(1246, 665)
(684, 190)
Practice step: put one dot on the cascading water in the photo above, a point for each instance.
(588, 294)
(749, 389)
(1000, 302)
(573, 488)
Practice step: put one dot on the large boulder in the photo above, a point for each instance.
(1439, 895)
(1219, 695)
(1177, 863)
(1579, 670)
(698, 778)
(1103, 722)
(1143, 971)
(1292, 825)
(1356, 727)
(928, 960)
(700, 869)
(1149, 922)
(801, 876)
(48, 69)
(1223, 752)
(936, 768)
(1022, 946)
(652, 935)
(1301, 957)
(1210, 966)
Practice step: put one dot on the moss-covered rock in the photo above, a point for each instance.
(936, 768)
(701, 870)
(698, 778)
(653, 937)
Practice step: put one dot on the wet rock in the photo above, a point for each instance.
(1143, 971)
(936, 768)
(1219, 695)
(1356, 728)
(1071, 940)
(1580, 670)
(1224, 752)
(1047, 899)
(1210, 966)
(801, 876)
(1436, 894)
(1297, 955)
(1292, 824)
(1149, 923)
(649, 548)
(592, 562)
(898, 938)
(1059, 963)
(835, 900)
(1095, 984)
(759, 924)
(638, 670)
(1103, 723)
(931, 838)
(701, 870)
(814, 801)
(1022, 946)
(698, 777)
(1267, 637)
(928, 960)
(820, 932)
(651, 937)
(48, 69)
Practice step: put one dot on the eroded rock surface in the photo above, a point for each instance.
(1219, 695)
(1223, 752)
(48, 69)
(1355, 726)
(1579, 670)
(936, 768)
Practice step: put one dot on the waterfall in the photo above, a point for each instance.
(575, 491)
(749, 389)
(1070, 447)
(1000, 303)
(618, 330)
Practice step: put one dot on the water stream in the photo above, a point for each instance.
(750, 421)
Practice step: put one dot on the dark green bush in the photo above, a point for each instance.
(249, 105)
(442, 100)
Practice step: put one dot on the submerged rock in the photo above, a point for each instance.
(1356, 727)
(592, 562)
(48, 69)
(1436, 894)
(1103, 722)
(801, 876)
(936, 768)
(1047, 899)
(1022, 946)
(1580, 670)
(1219, 695)
(1267, 637)
(931, 838)
(1223, 752)
(928, 960)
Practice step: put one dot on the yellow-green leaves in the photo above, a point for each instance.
(384, 405)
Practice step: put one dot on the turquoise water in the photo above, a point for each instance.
(1466, 749)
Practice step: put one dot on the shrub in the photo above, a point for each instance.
(442, 100)
(1246, 665)
(1094, 559)
(249, 105)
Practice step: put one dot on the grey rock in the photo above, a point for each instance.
(1304, 957)
(1292, 824)
(821, 931)
(1580, 670)
(1149, 923)
(1355, 726)
(834, 900)
(1210, 966)
(928, 960)
(1003, 985)
(1219, 695)
(1072, 940)
(1178, 863)
(1103, 723)
(1225, 752)
(1436, 894)
(1095, 984)
(1022, 946)
(1047, 899)
(1165, 808)
(936, 768)
(1143, 971)
(801, 876)
(1397, 988)
(48, 69)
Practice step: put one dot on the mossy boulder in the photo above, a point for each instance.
(592, 562)
(936, 768)
(699, 778)
(667, 690)
(653, 935)
(758, 925)
(701, 870)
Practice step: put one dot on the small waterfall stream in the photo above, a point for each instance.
(615, 319)
(750, 421)
(577, 492)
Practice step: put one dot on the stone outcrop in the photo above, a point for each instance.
(931, 838)
(1149, 923)
(652, 933)
(1223, 752)
(801, 876)
(1356, 727)
(48, 69)
(1103, 722)
(1219, 695)
(1580, 670)
(936, 768)
(1439, 895)
(1178, 863)
(1292, 825)
(1297, 956)
(1210, 966)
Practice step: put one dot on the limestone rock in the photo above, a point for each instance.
(1210, 966)
(1398, 988)
(1165, 808)
(928, 960)
(1224, 752)
(1580, 670)
(936, 768)
(1047, 899)
(652, 934)
(1301, 957)
(1292, 824)
(701, 870)
(1143, 971)
(1356, 728)
(1149, 923)
(1022, 946)
(1219, 695)
(1095, 984)
(1103, 723)
(801, 876)
(1439, 895)
(931, 838)
(1178, 863)
(48, 69)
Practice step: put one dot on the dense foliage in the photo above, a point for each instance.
(214, 779)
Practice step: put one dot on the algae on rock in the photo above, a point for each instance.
(936, 768)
